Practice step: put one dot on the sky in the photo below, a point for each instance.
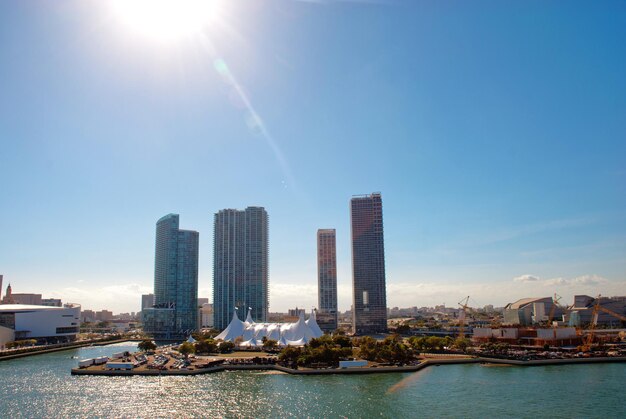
(495, 131)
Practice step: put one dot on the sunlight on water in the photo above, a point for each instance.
(41, 386)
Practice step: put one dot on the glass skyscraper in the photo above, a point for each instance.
(327, 279)
(175, 311)
(240, 264)
(369, 300)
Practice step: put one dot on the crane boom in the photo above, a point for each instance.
(597, 308)
(463, 304)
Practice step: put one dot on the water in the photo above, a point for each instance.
(42, 387)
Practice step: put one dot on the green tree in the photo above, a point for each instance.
(226, 347)
(186, 349)
(290, 354)
(206, 346)
(146, 345)
(368, 348)
(461, 343)
(403, 329)
(270, 344)
(343, 341)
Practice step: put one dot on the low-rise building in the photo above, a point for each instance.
(528, 336)
(43, 323)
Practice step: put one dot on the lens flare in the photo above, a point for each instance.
(166, 20)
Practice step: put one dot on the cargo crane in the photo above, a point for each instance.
(462, 314)
(597, 308)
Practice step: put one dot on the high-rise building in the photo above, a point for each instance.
(369, 299)
(175, 311)
(240, 264)
(327, 279)
(147, 301)
(206, 315)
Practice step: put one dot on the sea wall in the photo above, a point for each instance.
(370, 370)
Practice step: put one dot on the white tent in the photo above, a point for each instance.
(234, 329)
(252, 343)
(252, 333)
(191, 339)
(249, 320)
(312, 323)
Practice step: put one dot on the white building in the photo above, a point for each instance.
(53, 324)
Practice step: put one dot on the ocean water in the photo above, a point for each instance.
(41, 387)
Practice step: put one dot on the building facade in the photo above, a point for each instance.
(581, 313)
(327, 279)
(52, 302)
(529, 311)
(240, 264)
(147, 301)
(44, 323)
(175, 311)
(369, 299)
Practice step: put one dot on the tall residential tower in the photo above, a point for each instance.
(240, 264)
(175, 311)
(327, 279)
(369, 300)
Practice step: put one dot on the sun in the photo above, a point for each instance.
(166, 20)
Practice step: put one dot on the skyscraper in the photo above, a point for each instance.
(147, 301)
(175, 311)
(240, 264)
(327, 279)
(369, 300)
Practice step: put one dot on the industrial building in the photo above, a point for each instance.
(529, 311)
(43, 323)
(561, 336)
(581, 312)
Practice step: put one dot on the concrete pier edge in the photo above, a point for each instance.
(369, 370)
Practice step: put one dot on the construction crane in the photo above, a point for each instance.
(597, 308)
(462, 314)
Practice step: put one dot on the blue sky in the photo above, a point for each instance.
(496, 132)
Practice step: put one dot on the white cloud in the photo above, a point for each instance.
(589, 280)
(526, 278)
(556, 282)
(115, 297)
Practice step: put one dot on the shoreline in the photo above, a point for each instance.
(64, 348)
(357, 370)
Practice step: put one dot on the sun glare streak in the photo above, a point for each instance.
(170, 21)
(405, 382)
(253, 119)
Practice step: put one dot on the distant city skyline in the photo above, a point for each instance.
(494, 131)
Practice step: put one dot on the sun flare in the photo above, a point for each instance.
(166, 20)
